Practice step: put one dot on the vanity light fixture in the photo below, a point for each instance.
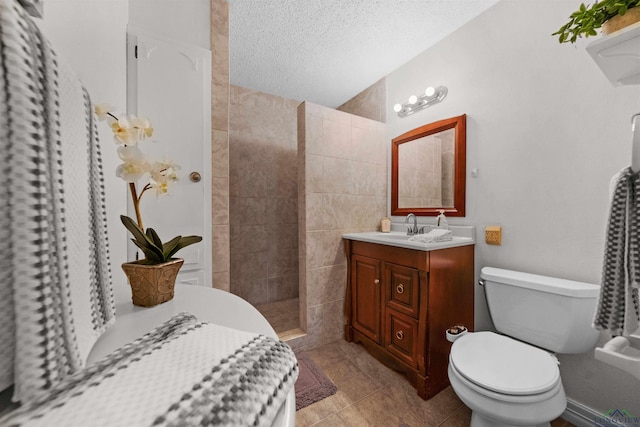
(414, 104)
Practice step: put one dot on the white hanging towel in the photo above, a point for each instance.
(55, 280)
(618, 310)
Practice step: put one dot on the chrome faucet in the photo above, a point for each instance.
(411, 230)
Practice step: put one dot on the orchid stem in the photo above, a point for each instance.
(136, 203)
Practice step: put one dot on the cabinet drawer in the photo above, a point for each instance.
(403, 289)
(402, 337)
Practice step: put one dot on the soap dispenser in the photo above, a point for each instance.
(442, 221)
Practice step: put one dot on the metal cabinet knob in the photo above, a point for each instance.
(376, 281)
(400, 335)
(400, 288)
(195, 177)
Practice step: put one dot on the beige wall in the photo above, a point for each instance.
(220, 144)
(342, 169)
(263, 196)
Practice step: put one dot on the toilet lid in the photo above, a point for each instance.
(504, 365)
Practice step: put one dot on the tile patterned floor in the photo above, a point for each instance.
(370, 395)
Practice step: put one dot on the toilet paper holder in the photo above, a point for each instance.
(623, 353)
(455, 332)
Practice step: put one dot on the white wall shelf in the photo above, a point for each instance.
(618, 55)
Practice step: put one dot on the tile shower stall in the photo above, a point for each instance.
(263, 196)
(300, 176)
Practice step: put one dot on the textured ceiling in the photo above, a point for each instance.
(327, 51)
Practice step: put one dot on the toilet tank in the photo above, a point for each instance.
(551, 313)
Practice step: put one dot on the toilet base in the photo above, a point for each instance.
(478, 420)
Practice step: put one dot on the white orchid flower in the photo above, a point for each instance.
(131, 153)
(167, 164)
(128, 130)
(132, 171)
(142, 125)
(159, 183)
(103, 110)
(123, 132)
(147, 129)
(162, 174)
(165, 170)
(161, 188)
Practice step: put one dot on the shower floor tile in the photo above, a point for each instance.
(283, 316)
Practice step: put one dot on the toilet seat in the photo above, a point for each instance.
(491, 409)
(503, 365)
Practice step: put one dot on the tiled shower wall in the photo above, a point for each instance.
(220, 143)
(357, 208)
(342, 161)
(370, 103)
(263, 196)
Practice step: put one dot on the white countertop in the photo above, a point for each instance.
(462, 236)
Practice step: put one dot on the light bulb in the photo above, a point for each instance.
(429, 91)
(397, 108)
(413, 99)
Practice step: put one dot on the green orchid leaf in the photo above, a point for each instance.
(142, 240)
(183, 243)
(153, 249)
(151, 233)
(149, 253)
(133, 228)
(149, 242)
(168, 248)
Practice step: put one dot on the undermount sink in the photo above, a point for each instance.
(462, 236)
(394, 236)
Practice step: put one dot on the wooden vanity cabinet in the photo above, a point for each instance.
(399, 302)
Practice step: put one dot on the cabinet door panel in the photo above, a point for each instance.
(403, 290)
(366, 297)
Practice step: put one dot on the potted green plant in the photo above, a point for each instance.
(610, 15)
(152, 279)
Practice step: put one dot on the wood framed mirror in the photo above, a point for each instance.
(428, 169)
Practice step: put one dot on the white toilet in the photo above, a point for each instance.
(512, 378)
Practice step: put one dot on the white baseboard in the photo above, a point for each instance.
(583, 416)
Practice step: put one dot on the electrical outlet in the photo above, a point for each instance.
(493, 234)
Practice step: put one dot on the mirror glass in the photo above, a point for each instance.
(428, 169)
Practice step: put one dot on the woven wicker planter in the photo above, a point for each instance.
(619, 22)
(152, 284)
